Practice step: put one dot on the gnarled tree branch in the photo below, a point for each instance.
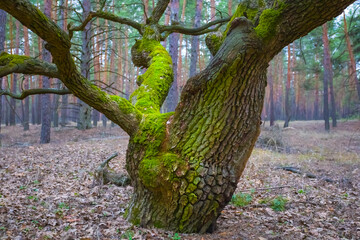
(30, 92)
(104, 15)
(26, 65)
(194, 31)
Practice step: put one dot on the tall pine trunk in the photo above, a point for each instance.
(173, 96)
(352, 67)
(195, 39)
(327, 76)
(45, 99)
(2, 47)
(26, 117)
(84, 121)
(287, 90)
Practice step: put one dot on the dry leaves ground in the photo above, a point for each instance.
(46, 190)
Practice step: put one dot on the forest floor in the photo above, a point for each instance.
(46, 191)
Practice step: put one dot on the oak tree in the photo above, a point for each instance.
(184, 165)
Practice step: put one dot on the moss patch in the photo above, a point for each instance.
(157, 80)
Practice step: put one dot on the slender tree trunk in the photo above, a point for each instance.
(316, 103)
(173, 96)
(352, 68)
(195, 39)
(84, 121)
(64, 98)
(97, 67)
(287, 90)
(45, 99)
(180, 77)
(26, 117)
(230, 7)
(13, 77)
(270, 78)
(2, 48)
(327, 76)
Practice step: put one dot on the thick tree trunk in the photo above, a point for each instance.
(185, 167)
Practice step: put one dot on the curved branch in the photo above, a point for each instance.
(194, 31)
(26, 65)
(30, 92)
(104, 15)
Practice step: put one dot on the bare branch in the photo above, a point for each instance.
(26, 65)
(104, 15)
(194, 31)
(30, 92)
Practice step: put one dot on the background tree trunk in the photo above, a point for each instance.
(2, 48)
(352, 68)
(195, 39)
(327, 73)
(173, 96)
(84, 121)
(45, 98)
(287, 90)
(270, 78)
(26, 117)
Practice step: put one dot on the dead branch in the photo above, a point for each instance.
(104, 174)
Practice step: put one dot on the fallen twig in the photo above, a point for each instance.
(309, 175)
(264, 189)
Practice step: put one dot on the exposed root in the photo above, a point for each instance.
(104, 175)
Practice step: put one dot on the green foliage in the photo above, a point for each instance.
(241, 199)
(175, 236)
(278, 203)
(127, 235)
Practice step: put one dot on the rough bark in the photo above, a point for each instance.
(184, 166)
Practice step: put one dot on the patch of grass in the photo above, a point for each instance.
(241, 199)
(127, 235)
(175, 237)
(278, 203)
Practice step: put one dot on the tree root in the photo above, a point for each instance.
(104, 175)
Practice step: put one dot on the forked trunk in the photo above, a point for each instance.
(185, 166)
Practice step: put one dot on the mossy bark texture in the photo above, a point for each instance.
(185, 165)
